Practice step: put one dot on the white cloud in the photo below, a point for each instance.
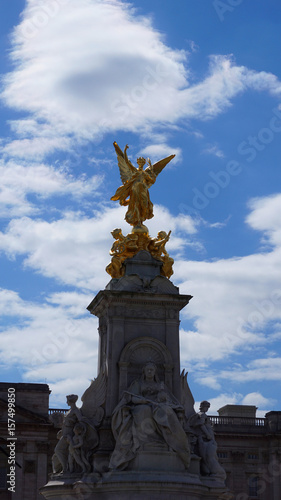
(20, 180)
(35, 148)
(208, 381)
(75, 302)
(74, 385)
(213, 150)
(252, 399)
(75, 248)
(265, 216)
(81, 75)
(258, 370)
(63, 82)
(220, 401)
(237, 300)
(257, 399)
(49, 341)
(70, 249)
(193, 46)
(213, 95)
(161, 150)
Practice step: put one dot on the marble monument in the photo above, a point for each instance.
(137, 434)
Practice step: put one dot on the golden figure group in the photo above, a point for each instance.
(134, 193)
(125, 247)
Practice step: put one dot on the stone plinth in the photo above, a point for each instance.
(135, 485)
(143, 264)
(248, 411)
(273, 419)
(164, 461)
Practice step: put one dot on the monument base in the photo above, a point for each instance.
(132, 485)
(150, 461)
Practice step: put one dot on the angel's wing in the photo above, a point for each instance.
(125, 166)
(187, 400)
(57, 419)
(94, 396)
(159, 165)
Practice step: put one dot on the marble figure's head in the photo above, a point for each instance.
(71, 398)
(204, 406)
(149, 371)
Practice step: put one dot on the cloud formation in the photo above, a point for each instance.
(20, 180)
(50, 340)
(79, 75)
(63, 248)
(236, 308)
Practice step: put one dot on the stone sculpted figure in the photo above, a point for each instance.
(74, 415)
(207, 446)
(76, 454)
(78, 436)
(148, 417)
(136, 183)
(187, 399)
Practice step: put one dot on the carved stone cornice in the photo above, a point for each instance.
(108, 298)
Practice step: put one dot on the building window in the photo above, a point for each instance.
(253, 456)
(222, 454)
(3, 478)
(253, 486)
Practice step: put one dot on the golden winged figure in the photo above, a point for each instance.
(136, 183)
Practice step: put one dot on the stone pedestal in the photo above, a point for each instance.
(136, 485)
(139, 324)
(134, 328)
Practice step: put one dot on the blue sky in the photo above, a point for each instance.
(198, 79)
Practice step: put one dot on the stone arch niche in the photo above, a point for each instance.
(136, 354)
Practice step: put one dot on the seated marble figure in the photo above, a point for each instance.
(148, 417)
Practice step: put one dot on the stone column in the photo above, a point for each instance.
(135, 316)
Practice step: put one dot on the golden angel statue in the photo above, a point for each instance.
(136, 183)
